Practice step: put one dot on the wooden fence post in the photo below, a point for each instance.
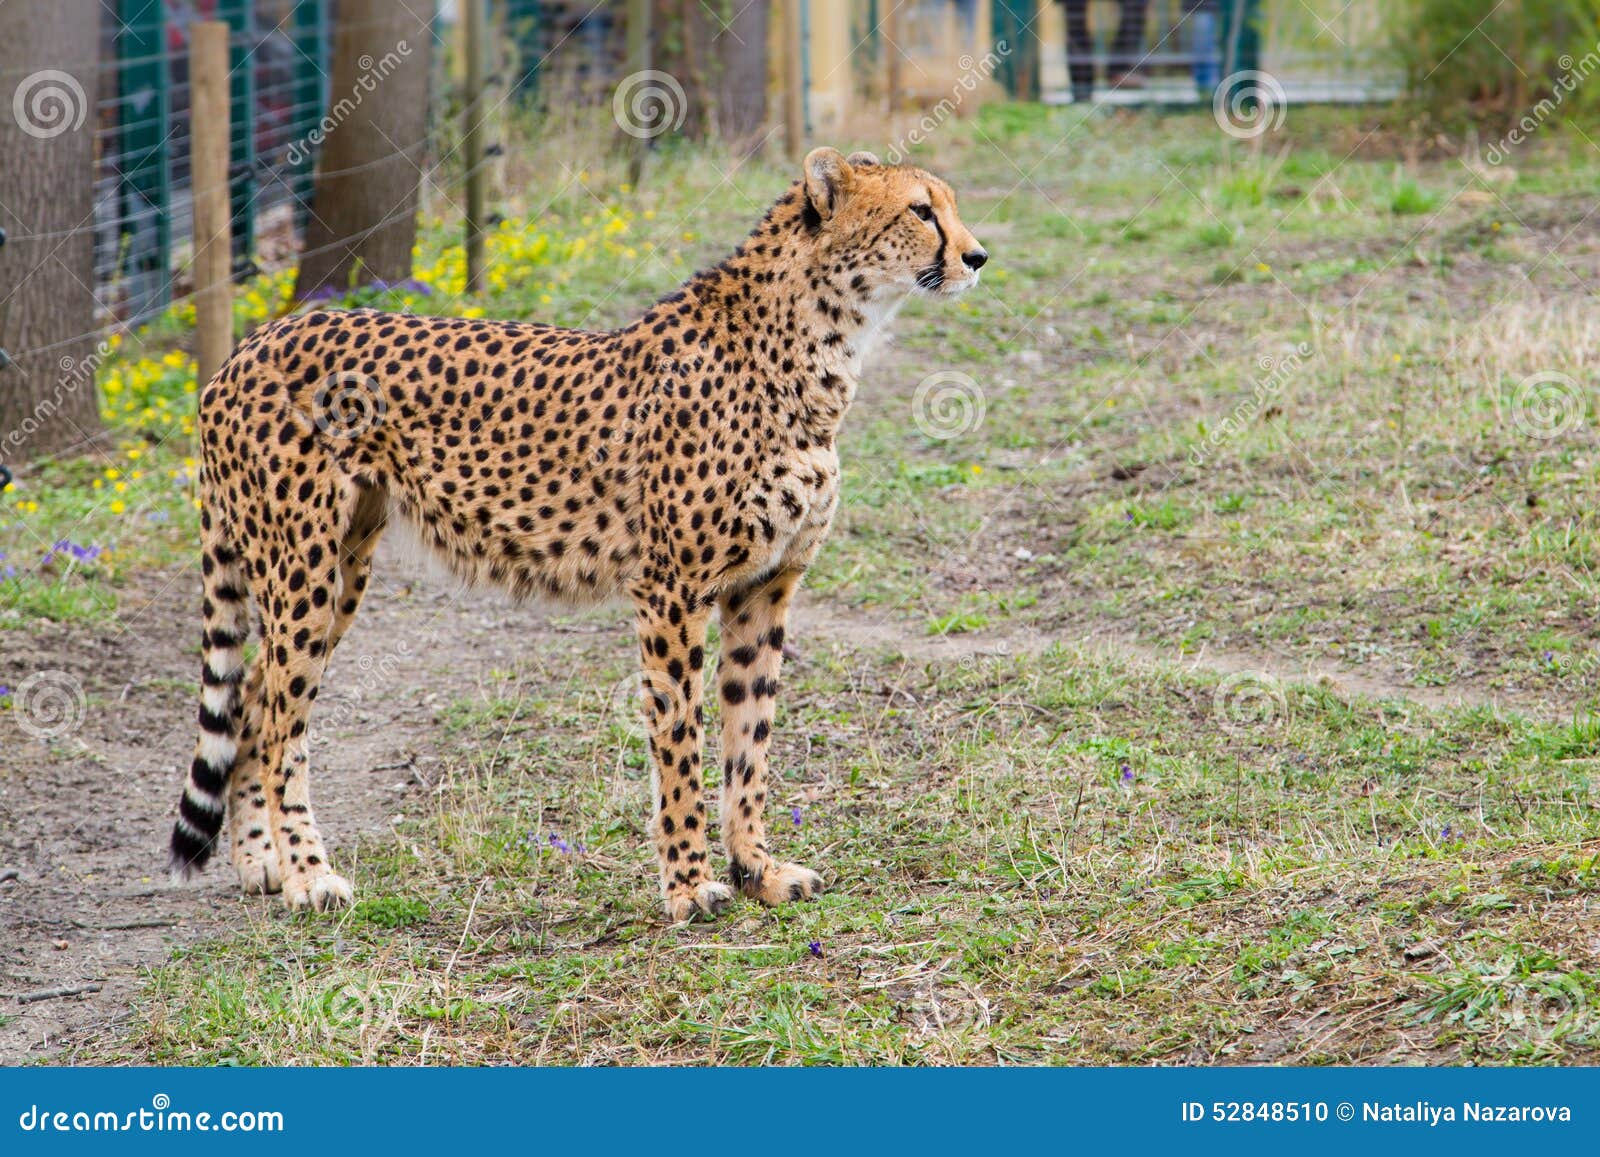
(637, 27)
(793, 49)
(213, 303)
(472, 141)
(891, 35)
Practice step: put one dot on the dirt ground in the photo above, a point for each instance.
(91, 905)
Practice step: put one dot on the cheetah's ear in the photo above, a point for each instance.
(827, 180)
(861, 157)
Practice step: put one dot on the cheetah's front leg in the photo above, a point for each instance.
(255, 855)
(752, 650)
(672, 649)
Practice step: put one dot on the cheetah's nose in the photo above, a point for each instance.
(975, 259)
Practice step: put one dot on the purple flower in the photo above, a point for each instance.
(1446, 833)
(76, 550)
(1127, 774)
(794, 814)
(816, 948)
(5, 692)
(560, 844)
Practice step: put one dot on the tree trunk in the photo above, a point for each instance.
(47, 304)
(721, 63)
(363, 220)
(741, 47)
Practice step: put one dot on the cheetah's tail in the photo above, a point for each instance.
(222, 669)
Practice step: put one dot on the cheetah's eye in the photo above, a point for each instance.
(923, 211)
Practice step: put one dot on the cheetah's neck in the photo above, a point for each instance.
(818, 318)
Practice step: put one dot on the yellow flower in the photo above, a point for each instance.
(117, 507)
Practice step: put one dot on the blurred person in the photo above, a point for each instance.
(967, 24)
(1127, 48)
(1201, 16)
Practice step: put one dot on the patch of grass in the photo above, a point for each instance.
(1409, 200)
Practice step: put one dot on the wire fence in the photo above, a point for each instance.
(562, 50)
(140, 89)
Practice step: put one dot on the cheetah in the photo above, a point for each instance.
(687, 460)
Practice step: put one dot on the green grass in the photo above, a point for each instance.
(1287, 405)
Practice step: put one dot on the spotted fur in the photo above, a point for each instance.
(686, 460)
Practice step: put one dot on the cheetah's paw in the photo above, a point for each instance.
(707, 900)
(782, 883)
(325, 893)
(258, 869)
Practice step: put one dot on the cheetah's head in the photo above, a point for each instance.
(895, 225)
